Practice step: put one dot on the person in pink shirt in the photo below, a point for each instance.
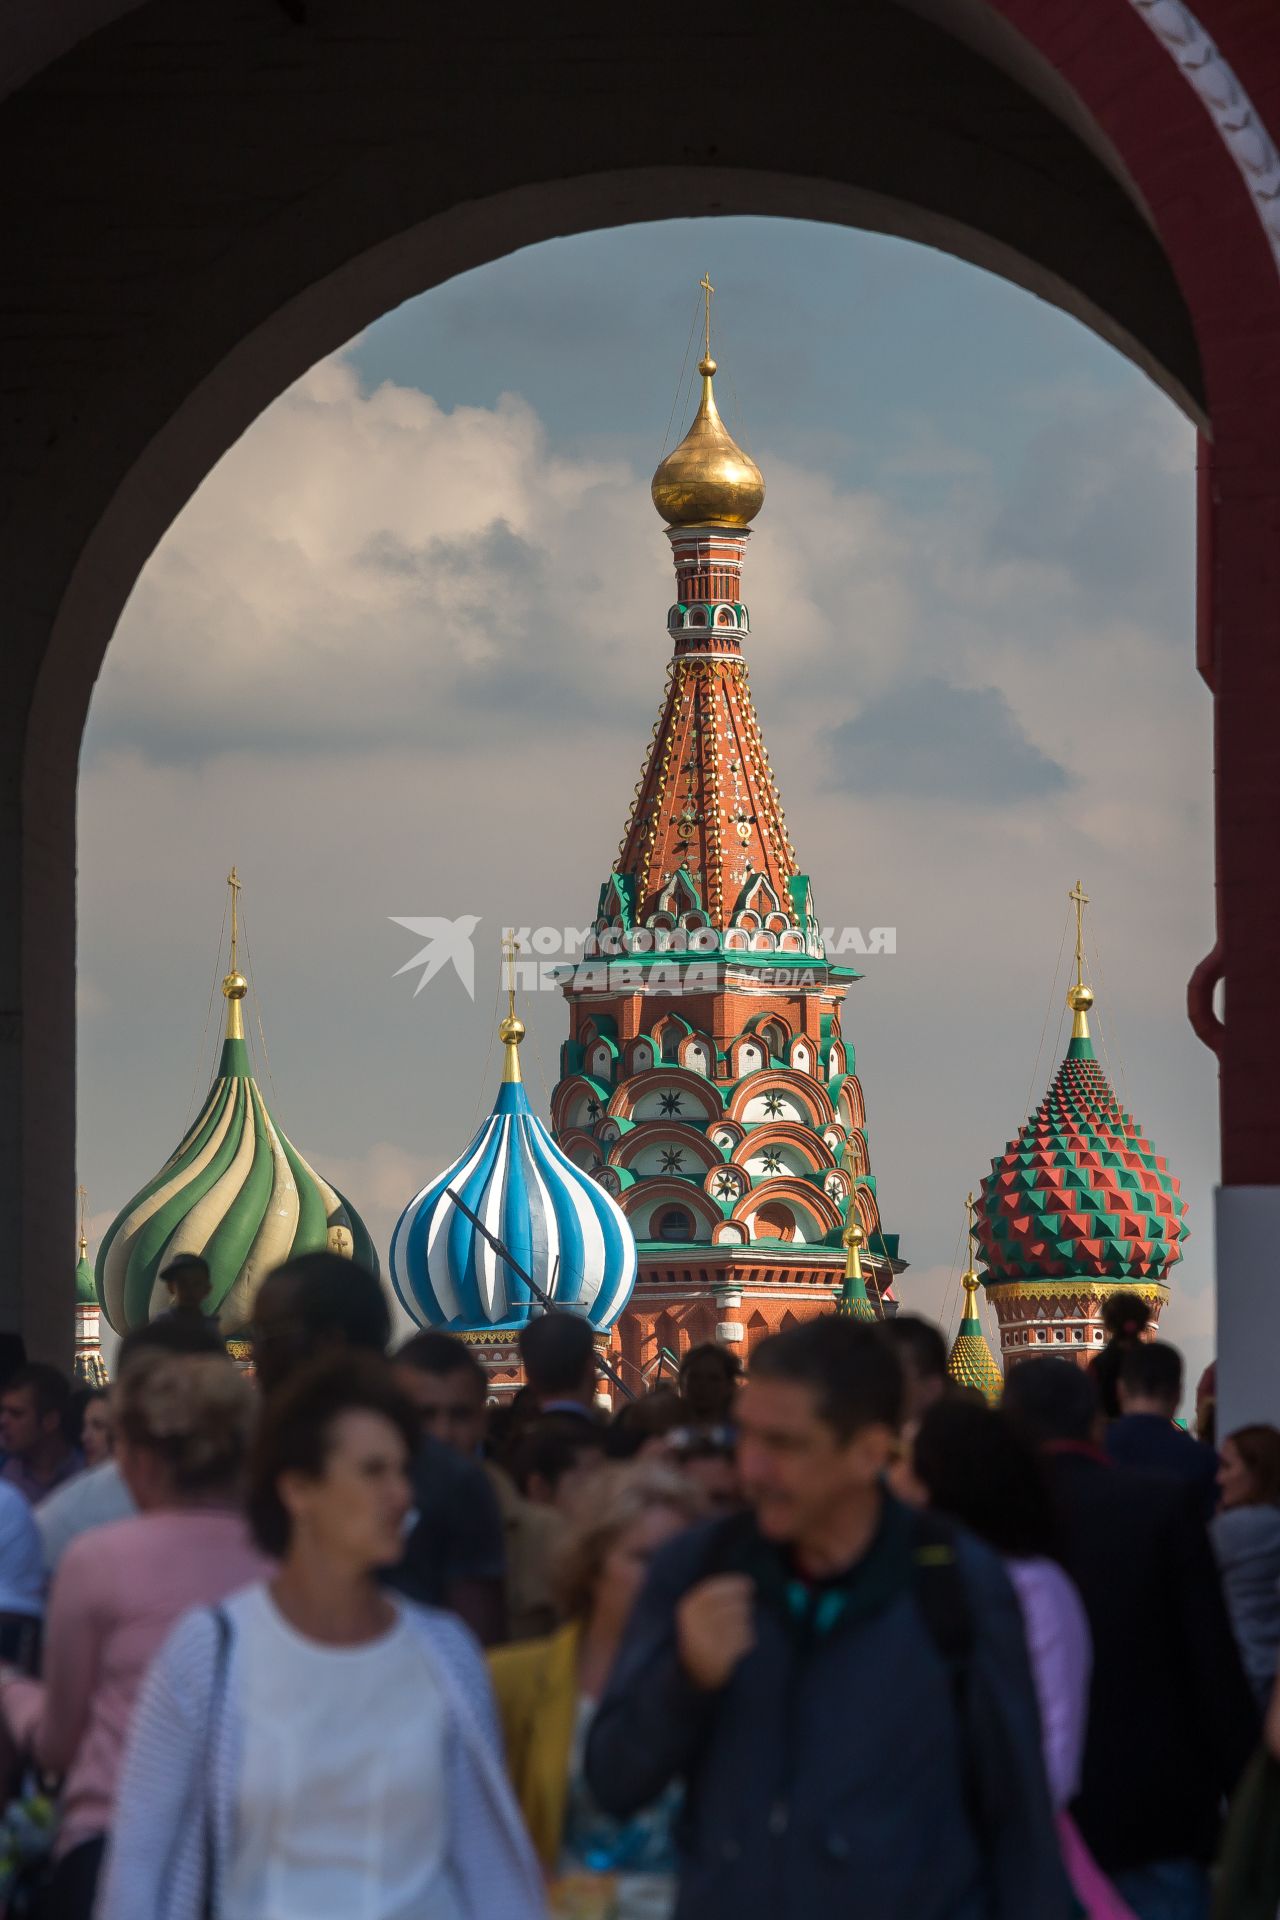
(183, 1425)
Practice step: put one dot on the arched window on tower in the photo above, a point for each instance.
(774, 1035)
(676, 1223)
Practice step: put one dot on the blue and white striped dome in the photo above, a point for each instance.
(559, 1225)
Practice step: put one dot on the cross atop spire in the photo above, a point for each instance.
(511, 1029)
(1079, 997)
(82, 1195)
(1081, 900)
(233, 881)
(708, 290)
(234, 985)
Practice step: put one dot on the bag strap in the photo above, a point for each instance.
(943, 1599)
(942, 1596)
(213, 1718)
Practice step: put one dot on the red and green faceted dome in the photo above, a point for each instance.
(1081, 1192)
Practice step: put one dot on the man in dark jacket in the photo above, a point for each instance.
(842, 1684)
(1171, 1719)
(1149, 1392)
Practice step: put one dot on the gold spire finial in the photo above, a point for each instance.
(234, 985)
(708, 481)
(969, 1278)
(1079, 997)
(82, 1194)
(855, 1239)
(511, 1030)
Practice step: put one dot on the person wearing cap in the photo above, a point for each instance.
(187, 1278)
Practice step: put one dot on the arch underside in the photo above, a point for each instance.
(201, 199)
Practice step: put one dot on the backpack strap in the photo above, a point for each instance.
(943, 1599)
(947, 1610)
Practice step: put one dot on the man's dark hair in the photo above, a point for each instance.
(921, 1340)
(296, 1425)
(441, 1354)
(172, 1333)
(49, 1387)
(556, 1349)
(855, 1375)
(553, 1445)
(650, 1417)
(710, 1352)
(1153, 1370)
(339, 1299)
(1051, 1399)
(1125, 1315)
(979, 1466)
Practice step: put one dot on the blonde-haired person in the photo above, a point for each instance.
(182, 1425)
(547, 1691)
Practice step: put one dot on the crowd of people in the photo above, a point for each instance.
(341, 1637)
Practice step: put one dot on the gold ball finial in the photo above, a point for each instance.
(511, 1031)
(1079, 998)
(708, 481)
(854, 1235)
(235, 986)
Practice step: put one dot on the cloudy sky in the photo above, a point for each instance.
(401, 654)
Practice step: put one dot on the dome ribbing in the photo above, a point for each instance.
(559, 1225)
(236, 1191)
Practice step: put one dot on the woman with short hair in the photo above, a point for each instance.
(548, 1689)
(1246, 1543)
(182, 1435)
(320, 1745)
(91, 1424)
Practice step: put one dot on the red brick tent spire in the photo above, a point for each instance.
(706, 1080)
(1078, 1205)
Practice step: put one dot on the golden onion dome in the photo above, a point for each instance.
(708, 481)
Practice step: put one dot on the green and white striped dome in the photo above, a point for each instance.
(237, 1192)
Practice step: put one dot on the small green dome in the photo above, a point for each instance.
(237, 1192)
(86, 1287)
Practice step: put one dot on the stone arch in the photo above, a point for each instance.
(1107, 157)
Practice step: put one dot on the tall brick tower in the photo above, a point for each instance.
(707, 1082)
(1077, 1206)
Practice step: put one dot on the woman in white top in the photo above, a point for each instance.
(319, 1746)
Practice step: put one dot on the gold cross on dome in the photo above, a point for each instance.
(1081, 899)
(233, 881)
(509, 967)
(708, 290)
